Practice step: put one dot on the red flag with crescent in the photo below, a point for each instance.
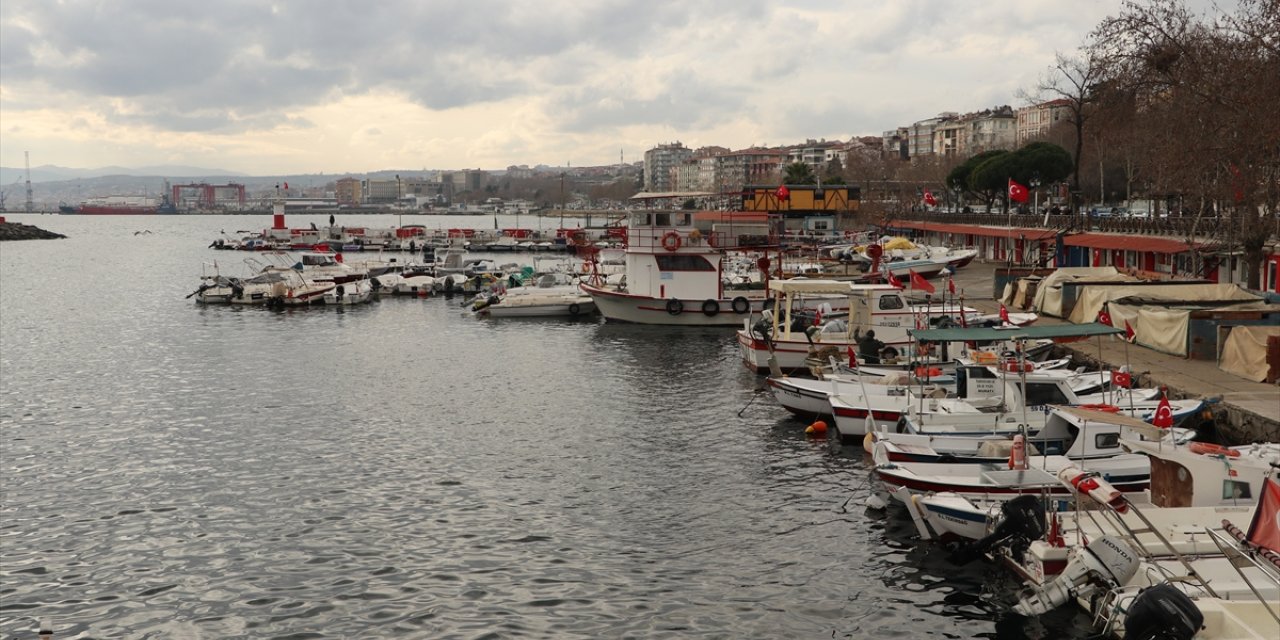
(783, 193)
(892, 279)
(1163, 416)
(1129, 333)
(1004, 315)
(1104, 317)
(1017, 192)
(929, 199)
(951, 286)
(853, 360)
(918, 282)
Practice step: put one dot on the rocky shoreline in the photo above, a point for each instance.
(19, 231)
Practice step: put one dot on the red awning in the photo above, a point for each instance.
(1141, 244)
(973, 229)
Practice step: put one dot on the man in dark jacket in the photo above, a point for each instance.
(869, 348)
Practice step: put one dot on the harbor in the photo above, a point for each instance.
(594, 477)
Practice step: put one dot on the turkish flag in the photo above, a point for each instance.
(892, 279)
(853, 360)
(951, 286)
(1163, 416)
(783, 193)
(1129, 333)
(918, 282)
(929, 199)
(1264, 531)
(286, 186)
(1121, 379)
(1017, 192)
(817, 317)
(1104, 317)
(1004, 315)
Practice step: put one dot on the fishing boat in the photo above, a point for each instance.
(791, 334)
(674, 276)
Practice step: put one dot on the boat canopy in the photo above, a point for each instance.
(1035, 332)
(1092, 415)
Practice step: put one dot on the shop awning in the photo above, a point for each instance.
(1142, 244)
(973, 229)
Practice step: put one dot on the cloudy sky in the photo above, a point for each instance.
(294, 86)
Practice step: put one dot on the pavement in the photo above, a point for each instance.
(1246, 411)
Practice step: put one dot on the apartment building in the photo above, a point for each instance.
(750, 166)
(347, 192)
(1035, 121)
(659, 163)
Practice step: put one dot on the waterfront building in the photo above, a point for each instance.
(379, 191)
(347, 191)
(749, 166)
(659, 163)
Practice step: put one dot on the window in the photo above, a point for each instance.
(1236, 490)
(662, 219)
(1039, 395)
(1106, 440)
(891, 302)
(680, 262)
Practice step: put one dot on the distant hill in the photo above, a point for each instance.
(53, 173)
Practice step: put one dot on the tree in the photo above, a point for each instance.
(960, 176)
(799, 173)
(1074, 80)
(1215, 83)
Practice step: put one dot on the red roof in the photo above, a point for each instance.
(973, 229)
(1128, 243)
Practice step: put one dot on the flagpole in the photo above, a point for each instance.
(1130, 368)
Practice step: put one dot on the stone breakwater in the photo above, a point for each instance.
(18, 231)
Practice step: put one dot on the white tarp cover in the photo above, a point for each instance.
(1244, 353)
(1091, 299)
(1159, 328)
(1048, 298)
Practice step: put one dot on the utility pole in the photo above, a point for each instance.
(31, 206)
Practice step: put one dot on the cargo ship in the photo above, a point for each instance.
(121, 206)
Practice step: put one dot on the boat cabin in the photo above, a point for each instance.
(667, 257)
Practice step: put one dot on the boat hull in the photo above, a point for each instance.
(624, 307)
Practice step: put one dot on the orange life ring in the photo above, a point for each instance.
(1108, 408)
(1210, 449)
(671, 241)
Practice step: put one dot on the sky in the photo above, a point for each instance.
(274, 87)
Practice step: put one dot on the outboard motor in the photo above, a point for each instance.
(1021, 521)
(1162, 612)
(1108, 561)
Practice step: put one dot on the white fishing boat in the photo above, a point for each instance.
(349, 293)
(673, 276)
(790, 334)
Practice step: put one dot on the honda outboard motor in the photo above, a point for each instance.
(1021, 521)
(1108, 561)
(1162, 612)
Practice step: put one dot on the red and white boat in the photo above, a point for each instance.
(674, 276)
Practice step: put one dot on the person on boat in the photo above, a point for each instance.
(869, 348)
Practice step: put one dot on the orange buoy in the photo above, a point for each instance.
(818, 428)
(869, 442)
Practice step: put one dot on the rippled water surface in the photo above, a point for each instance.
(405, 470)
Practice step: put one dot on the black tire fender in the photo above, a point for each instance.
(741, 305)
(710, 307)
(675, 307)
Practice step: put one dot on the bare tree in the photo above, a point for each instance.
(1205, 92)
(1075, 80)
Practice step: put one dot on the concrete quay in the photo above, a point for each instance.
(1246, 411)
